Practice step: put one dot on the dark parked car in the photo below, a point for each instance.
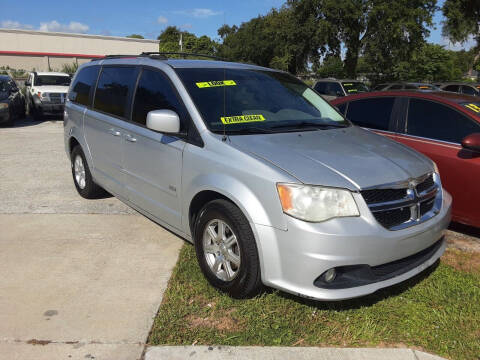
(332, 88)
(12, 103)
(462, 88)
(442, 125)
(405, 86)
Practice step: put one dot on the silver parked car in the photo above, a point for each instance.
(272, 185)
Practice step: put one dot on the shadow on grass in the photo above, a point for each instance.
(368, 300)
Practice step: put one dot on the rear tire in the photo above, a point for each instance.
(82, 178)
(226, 249)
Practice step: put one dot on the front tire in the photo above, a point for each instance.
(82, 177)
(226, 249)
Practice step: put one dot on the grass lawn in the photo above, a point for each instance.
(438, 312)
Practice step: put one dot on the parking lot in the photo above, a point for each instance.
(80, 279)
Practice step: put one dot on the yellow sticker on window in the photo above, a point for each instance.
(209, 84)
(241, 119)
(473, 107)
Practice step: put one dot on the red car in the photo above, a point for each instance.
(443, 126)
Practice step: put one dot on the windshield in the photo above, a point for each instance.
(41, 80)
(474, 107)
(354, 87)
(239, 100)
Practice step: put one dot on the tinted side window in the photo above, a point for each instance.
(436, 121)
(371, 113)
(81, 87)
(396, 87)
(154, 92)
(468, 90)
(334, 89)
(114, 86)
(320, 87)
(453, 88)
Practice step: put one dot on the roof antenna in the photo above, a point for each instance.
(224, 137)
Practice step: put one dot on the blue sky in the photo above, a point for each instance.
(146, 17)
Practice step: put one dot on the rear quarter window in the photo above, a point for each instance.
(115, 85)
(83, 84)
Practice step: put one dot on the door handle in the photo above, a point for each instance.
(130, 138)
(114, 132)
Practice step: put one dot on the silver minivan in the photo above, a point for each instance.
(269, 182)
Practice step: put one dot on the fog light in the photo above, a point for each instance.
(329, 275)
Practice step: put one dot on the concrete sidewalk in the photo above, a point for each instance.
(282, 353)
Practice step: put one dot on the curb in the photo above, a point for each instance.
(276, 353)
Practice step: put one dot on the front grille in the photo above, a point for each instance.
(405, 204)
(426, 206)
(426, 184)
(57, 98)
(391, 218)
(383, 195)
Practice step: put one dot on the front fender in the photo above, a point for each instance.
(241, 195)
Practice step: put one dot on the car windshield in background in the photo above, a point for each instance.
(256, 101)
(474, 107)
(42, 80)
(424, 87)
(354, 87)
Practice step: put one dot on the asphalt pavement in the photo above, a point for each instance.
(81, 279)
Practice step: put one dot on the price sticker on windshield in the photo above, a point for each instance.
(241, 119)
(473, 107)
(210, 84)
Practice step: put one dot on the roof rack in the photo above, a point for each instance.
(183, 54)
(157, 55)
(117, 56)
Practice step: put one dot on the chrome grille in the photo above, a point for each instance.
(57, 98)
(400, 205)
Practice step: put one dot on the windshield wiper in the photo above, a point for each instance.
(247, 130)
(307, 125)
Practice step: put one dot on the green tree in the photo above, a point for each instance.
(462, 20)
(170, 38)
(332, 66)
(135, 36)
(431, 62)
(382, 31)
(281, 39)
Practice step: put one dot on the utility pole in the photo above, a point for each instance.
(181, 43)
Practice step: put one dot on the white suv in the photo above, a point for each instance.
(46, 93)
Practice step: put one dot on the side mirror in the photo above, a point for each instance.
(472, 142)
(27, 83)
(164, 121)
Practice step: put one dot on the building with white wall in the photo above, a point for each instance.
(44, 51)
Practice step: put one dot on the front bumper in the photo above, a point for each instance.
(48, 108)
(4, 115)
(293, 260)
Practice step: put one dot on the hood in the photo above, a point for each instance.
(52, 88)
(349, 157)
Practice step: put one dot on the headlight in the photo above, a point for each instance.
(435, 167)
(316, 203)
(3, 106)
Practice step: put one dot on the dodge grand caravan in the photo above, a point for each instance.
(268, 181)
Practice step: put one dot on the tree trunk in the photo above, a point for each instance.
(351, 58)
